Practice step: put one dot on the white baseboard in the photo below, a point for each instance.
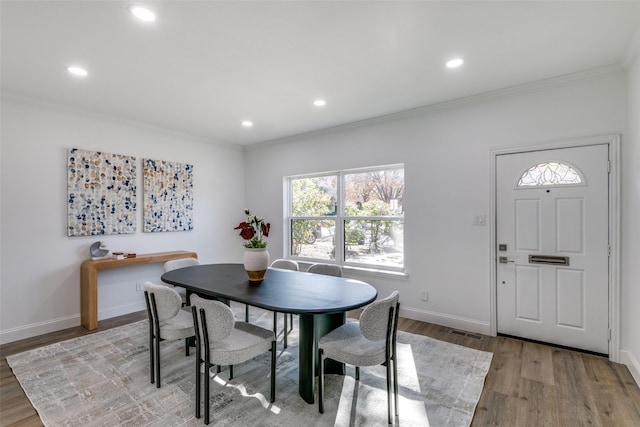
(120, 310)
(632, 363)
(41, 328)
(456, 322)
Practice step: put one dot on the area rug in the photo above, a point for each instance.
(103, 380)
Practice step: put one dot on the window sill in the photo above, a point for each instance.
(351, 271)
(373, 272)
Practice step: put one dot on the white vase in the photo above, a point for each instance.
(256, 262)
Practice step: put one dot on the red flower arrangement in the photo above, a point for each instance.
(253, 230)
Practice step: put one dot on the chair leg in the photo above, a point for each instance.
(321, 382)
(395, 383)
(147, 300)
(186, 346)
(152, 368)
(357, 373)
(291, 322)
(207, 380)
(246, 313)
(157, 354)
(198, 381)
(230, 372)
(196, 339)
(154, 326)
(389, 391)
(273, 371)
(285, 331)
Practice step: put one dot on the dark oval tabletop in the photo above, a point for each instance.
(284, 291)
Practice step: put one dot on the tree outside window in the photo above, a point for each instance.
(349, 217)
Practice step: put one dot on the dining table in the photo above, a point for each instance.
(320, 301)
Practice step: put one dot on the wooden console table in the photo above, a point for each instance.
(89, 279)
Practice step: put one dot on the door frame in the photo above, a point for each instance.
(613, 142)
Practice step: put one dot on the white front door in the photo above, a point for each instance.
(553, 246)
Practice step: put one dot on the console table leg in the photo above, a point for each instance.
(89, 298)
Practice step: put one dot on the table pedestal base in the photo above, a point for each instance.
(312, 328)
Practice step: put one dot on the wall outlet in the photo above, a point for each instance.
(425, 295)
(139, 286)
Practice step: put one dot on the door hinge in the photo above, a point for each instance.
(608, 334)
(609, 250)
(608, 166)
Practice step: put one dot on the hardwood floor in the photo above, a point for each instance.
(532, 384)
(528, 384)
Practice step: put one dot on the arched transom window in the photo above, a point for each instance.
(552, 173)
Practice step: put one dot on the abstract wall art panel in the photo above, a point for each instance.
(168, 196)
(101, 193)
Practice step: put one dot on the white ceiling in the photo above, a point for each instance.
(204, 66)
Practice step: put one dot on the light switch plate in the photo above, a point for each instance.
(479, 220)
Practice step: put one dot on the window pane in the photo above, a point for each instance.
(374, 242)
(314, 196)
(374, 193)
(368, 213)
(313, 238)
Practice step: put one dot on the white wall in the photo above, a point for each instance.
(40, 265)
(446, 155)
(630, 295)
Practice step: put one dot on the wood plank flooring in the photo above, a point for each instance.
(528, 384)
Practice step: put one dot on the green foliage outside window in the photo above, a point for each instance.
(369, 214)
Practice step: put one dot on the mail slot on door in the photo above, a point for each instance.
(548, 259)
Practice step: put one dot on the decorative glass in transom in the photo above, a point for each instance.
(552, 173)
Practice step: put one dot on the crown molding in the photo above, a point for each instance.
(536, 86)
(37, 102)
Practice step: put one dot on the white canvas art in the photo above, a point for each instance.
(168, 196)
(101, 193)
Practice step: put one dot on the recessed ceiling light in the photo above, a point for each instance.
(319, 102)
(455, 63)
(142, 13)
(247, 123)
(77, 71)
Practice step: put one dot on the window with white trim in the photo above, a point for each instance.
(351, 218)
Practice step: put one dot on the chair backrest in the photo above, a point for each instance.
(219, 321)
(326, 269)
(174, 264)
(375, 318)
(286, 264)
(167, 300)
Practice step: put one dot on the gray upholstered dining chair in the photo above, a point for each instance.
(285, 264)
(326, 269)
(222, 341)
(370, 341)
(167, 321)
(174, 264)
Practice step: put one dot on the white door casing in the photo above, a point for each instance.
(561, 304)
